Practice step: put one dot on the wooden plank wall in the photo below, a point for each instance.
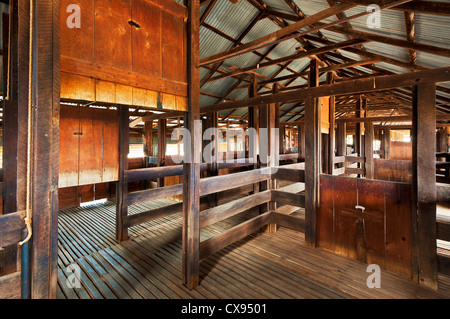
(136, 56)
(393, 170)
(401, 151)
(381, 235)
(88, 146)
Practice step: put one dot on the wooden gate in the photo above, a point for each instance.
(12, 231)
(367, 220)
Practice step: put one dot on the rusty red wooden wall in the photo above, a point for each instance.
(381, 234)
(88, 146)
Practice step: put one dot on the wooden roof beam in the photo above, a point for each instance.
(380, 83)
(275, 37)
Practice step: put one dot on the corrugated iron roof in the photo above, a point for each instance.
(233, 20)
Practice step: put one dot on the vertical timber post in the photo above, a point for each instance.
(331, 140)
(191, 169)
(341, 140)
(312, 159)
(368, 145)
(253, 125)
(122, 187)
(162, 131)
(424, 184)
(45, 149)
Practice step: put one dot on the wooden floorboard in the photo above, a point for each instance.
(260, 266)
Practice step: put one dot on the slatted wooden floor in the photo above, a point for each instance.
(267, 266)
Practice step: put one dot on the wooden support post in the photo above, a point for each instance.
(121, 185)
(192, 161)
(162, 130)
(253, 124)
(424, 184)
(45, 150)
(368, 145)
(312, 160)
(263, 148)
(387, 143)
(211, 122)
(301, 140)
(358, 130)
(148, 148)
(273, 148)
(341, 140)
(331, 138)
(148, 138)
(282, 141)
(442, 142)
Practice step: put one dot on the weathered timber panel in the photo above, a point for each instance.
(401, 151)
(69, 145)
(134, 44)
(83, 35)
(393, 170)
(380, 233)
(88, 146)
(113, 33)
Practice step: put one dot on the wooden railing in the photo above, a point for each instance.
(350, 163)
(128, 199)
(12, 231)
(216, 214)
(443, 167)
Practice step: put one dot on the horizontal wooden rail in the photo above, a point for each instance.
(443, 230)
(212, 245)
(443, 192)
(354, 159)
(216, 214)
(352, 170)
(444, 265)
(174, 170)
(216, 184)
(152, 173)
(11, 286)
(12, 229)
(284, 157)
(137, 219)
(339, 171)
(288, 221)
(339, 159)
(286, 198)
(287, 174)
(443, 154)
(443, 165)
(152, 194)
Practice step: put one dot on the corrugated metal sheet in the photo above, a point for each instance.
(233, 19)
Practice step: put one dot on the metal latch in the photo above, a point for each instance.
(361, 208)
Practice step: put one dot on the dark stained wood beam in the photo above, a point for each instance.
(191, 174)
(312, 159)
(379, 83)
(45, 150)
(300, 55)
(424, 185)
